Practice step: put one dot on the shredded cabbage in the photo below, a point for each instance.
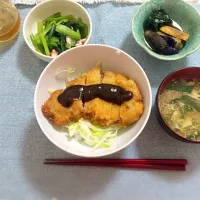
(65, 74)
(50, 90)
(91, 134)
(59, 75)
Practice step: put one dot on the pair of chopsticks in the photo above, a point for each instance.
(159, 164)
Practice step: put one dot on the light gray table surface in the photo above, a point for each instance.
(23, 146)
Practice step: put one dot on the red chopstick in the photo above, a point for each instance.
(130, 166)
(127, 161)
(160, 164)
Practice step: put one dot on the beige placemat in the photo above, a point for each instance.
(32, 2)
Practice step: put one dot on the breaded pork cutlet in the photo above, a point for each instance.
(55, 112)
(97, 110)
(107, 113)
(60, 115)
(77, 106)
(130, 111)
(93, 76)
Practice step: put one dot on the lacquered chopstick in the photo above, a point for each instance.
(121, 165)
(127, 161)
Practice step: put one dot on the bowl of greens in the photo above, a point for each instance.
(167, 30)
(53, 27)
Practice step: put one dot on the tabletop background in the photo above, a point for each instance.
(23, 146)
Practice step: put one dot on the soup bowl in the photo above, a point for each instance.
(184, 73)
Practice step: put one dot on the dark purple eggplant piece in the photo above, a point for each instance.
(169, 51)
(170, 41)
(155, 41)
(160, 44)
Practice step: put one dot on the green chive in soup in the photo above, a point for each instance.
(179, 106)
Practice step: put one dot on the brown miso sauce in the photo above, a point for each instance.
(107, 92)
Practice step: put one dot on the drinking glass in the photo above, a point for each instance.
(9, 20)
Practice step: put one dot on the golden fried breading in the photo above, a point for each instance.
(93, 77)
(97, 110)
(111, 78)
(77, 106)
(77, 81)
(60, 115)
(130, 111)
(107, 113)
(55, 112)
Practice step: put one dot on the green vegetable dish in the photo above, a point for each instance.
(58, 33)
(179, 105)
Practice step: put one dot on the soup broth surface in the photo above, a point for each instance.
(179, 106)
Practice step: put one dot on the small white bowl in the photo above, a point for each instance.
(82, 59)
(48, 8)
